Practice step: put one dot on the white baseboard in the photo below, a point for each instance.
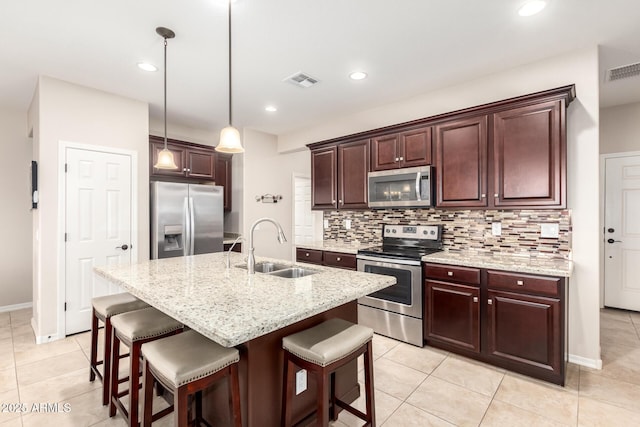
(42, 339)
(583, 361)
(15, 307)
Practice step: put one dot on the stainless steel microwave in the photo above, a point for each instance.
(409, 187)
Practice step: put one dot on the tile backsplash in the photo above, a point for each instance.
(464, 230)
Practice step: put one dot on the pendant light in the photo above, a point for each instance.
(229, 136)
(165, 157)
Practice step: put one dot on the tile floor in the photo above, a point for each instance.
(414, 387)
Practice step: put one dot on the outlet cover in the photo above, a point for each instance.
(550, 231)
(347, 224)
(496, 228)
(326, 223)
(301, 381)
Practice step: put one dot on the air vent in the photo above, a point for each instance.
(301, 79)
(623, 72)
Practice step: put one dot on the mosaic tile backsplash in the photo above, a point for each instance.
(464, 230)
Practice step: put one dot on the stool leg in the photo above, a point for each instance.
(368, 385)
(147, 388)
(94, 347)
(334, 406)
(323, 398)
(287, 390)
(234, 391)
(115, 366)
(134, 384)
(106, 364)
(180, 404)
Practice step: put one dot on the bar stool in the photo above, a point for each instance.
(187, 364)
(103, 309)
(134, 329)
(323, 349)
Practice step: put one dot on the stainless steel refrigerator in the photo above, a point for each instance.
(186, 219)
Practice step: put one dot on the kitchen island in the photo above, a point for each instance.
(252, 313)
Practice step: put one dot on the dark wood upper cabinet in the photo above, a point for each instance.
(401, 150)
(200, 164)
(223, 177)
(353, 167)
(323, 178)
(461, 162)
(529, 157)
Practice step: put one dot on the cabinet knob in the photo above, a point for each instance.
(475, 299)
(338, 259)
(401, 158)
(520, 282)
(490, 302)
(341, 202)
(333, 201)
(397, 159)
(496, 195)
(188, 170)
(483, 196)
(307, 254)
(449, 273)
(184, 169)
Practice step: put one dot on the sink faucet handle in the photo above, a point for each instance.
(228, 261)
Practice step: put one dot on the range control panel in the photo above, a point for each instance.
(423, 232)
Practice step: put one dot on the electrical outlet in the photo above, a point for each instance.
(496, 228)
(301, 381)
(326, 223)
(347, 224)
(550, 231)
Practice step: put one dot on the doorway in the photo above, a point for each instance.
(99, 225)
(307, 224)
(622, 231)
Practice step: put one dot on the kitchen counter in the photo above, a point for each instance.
(336, 246)
(230, 306)
(516, 263)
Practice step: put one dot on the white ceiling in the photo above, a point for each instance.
(407, 47)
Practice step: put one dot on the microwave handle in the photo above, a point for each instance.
(418, 179)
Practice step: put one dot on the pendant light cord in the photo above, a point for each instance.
(230, 112)
(165, 93)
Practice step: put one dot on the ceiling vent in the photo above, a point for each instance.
(301, 79)
(623, 72)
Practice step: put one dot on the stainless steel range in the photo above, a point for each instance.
(397, 311)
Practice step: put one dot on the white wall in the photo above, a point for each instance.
(67, 112)
(15, 216)
(268, 172)
(580, 68)
(620, 129)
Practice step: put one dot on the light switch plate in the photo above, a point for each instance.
(301, 381)
(550, 231)
(496, 228)
(347, 224)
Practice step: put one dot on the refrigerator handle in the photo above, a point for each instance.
(187, 227)
(192, 222)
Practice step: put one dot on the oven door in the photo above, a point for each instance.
(405, 297)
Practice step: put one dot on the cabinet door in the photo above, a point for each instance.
(453, 314)
(323, 178)
(461, 163)
(529, 152)
(384, 153)
(223, 177)
(415, 148)
(200, 164)
(525, 330)
(157, 144)
(353, 167)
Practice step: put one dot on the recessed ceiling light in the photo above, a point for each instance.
(271, 108)
(147, 67)
(358, 75)
(532, 7)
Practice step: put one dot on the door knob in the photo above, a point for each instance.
(123, 247)
(613, 241)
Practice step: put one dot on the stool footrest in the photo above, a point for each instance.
(351, 409)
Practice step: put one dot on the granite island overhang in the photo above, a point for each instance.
(252, 313)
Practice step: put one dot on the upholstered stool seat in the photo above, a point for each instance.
(187, 364)
(134, 329)
(103, 309)
(321, 350)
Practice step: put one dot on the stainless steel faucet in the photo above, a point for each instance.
(251, 260)
(228, 262)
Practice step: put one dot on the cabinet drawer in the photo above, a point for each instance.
(341, 260)
(467, 275)
(312, 256)
(524, 282)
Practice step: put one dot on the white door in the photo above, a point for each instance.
(307, 223)
(98, 228)
(622, 233)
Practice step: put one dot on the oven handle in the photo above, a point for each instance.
(389, 260)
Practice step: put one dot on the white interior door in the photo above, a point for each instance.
(98, 228)
(307, 223)
(622, 233)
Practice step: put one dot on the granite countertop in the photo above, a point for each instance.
(517, 263)
(336, 246)
(230, 306)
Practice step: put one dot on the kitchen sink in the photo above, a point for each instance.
(266, 267)
(293, 272)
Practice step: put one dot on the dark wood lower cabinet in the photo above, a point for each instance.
(236, 248)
